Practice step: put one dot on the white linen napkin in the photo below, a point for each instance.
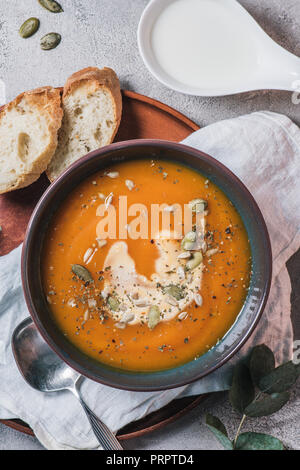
(263, 149)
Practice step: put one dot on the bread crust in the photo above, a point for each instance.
(47, 100)
(96, 79)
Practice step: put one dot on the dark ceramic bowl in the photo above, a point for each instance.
(246, 320)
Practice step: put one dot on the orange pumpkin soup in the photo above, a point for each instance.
(146, 265)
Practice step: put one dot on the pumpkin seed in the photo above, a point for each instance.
(29, 27)
(153, 317)
(174, 291)
(113, 303)
(82, 273)
(50, 41)
(194, 261)
(51, 5)
(189, 241)
(198, 205)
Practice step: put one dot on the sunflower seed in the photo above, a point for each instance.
(50, 41)
(128, 317)
(108, 200)
(51, 5)
(101, 243)
(198, 299)
(29, 27)
(181, 273)
(86, 315)
(171, 301)
(112, 174)
(129, 184)
(182, 315)
(212, 252)
(142, 303)
(184, 255)
(120, 325)
(104, 293)
(87, 254)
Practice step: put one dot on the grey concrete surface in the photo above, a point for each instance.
(104, 33)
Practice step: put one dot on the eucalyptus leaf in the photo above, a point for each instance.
(257, 441)
(212, 420)
(268, 405)
(242, 391)
(219, 431)
(262, 362)
(280, 379)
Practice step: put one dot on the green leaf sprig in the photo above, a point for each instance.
(258, 389)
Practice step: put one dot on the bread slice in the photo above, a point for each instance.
(28, 136)
(92, 105)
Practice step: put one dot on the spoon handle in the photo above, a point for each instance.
(104, 435)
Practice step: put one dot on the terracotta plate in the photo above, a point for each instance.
(143, 118)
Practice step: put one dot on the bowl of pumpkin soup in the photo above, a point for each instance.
(146, 265)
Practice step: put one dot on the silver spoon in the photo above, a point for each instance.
(46, 372)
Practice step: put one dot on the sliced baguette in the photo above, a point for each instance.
(28, 136)
(92, 105)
